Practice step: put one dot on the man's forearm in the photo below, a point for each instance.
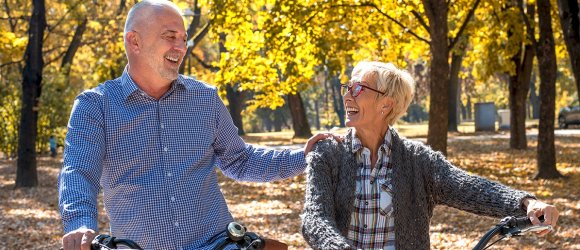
(78, 209)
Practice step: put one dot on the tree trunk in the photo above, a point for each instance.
(236, 105)
(463, 111)
(26, 175)
(279, 119)
(190, 32)
(469, 113)
(547, 63)
(570, 22)
(534, 98)
(73, 47)
(337, 102)
(121, 7)
(236, 99)
(299, 120)
(317, 114)
(439, 67)
(519, 87)
(456, 60)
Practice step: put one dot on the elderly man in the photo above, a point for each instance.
(150, 139)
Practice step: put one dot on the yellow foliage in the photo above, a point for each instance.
(94, 25)
(275, 48)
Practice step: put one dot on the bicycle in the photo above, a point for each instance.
(237, 235)
(510, 227)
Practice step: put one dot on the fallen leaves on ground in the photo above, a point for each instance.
(29, 217)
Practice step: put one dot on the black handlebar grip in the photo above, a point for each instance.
(524, 222)
(110, 242)
(128, 243)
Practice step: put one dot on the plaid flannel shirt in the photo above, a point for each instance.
(372, 223)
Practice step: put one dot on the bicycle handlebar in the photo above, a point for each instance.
(237, 235)
(109, 242)
(511, 226)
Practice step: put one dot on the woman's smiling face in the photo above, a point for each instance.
(364, 110)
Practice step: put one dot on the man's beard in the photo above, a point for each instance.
(169, 74)
(158, 64)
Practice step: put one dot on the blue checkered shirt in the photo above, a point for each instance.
(154, 161)
(372, 224)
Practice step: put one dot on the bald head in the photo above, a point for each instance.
(155, 45)
(140, 14)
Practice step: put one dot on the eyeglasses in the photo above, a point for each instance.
(355, 88)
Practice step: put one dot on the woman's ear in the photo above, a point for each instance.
(387, 105)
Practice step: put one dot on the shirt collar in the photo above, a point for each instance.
(357, 145)
(129, 86)
(127, 83)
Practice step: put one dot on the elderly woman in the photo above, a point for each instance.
(377, 190)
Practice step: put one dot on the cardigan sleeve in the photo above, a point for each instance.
(456, 188)
(319, 226)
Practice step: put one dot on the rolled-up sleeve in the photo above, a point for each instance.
(245, 162)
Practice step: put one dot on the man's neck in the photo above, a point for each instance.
(155, 87)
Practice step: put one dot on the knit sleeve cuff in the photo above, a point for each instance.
(527, 196)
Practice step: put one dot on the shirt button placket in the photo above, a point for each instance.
(165, 158)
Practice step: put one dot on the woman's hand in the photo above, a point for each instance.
(537, 208)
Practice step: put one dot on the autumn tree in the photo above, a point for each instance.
(262, 58)
(502, 46)
(545, 49)
(437, 12)
(197, 32)
(45, 106)
(26, 174)
(403, 28)
(519, 80)
(13, 36)
(570, 22)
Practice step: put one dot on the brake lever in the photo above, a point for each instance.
(516, 231)
(537, 228)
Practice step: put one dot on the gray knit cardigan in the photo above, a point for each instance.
(422, 178)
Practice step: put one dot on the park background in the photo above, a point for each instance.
(279, 65)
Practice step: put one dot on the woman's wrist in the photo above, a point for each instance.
(526, 202)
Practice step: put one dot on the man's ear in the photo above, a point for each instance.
(133, 41)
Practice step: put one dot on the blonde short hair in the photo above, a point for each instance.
(396, 83)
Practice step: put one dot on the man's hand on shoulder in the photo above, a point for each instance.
(78, 239)
(317, 137)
